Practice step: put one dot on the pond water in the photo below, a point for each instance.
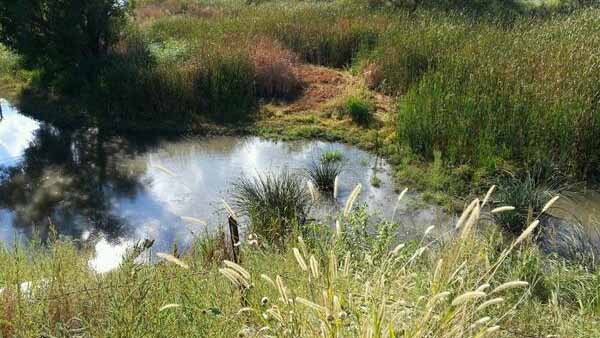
(110, 192)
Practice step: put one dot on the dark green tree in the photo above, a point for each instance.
(59, 36)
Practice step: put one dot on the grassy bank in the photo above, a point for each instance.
(331, 283)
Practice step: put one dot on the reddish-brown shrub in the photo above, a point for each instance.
(276, 70)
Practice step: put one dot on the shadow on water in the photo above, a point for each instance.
(67, 177)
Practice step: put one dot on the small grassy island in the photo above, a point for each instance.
(456, 95)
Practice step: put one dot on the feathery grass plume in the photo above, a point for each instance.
(438, 268)
(338, 228)
(526, 233)
(440, 296)
(234, 277)
(274, 312)
(398, 202)
(333, 265)
(302, 246)
(502, 209)
(311, 190)
(492, 329)
(482, 287)
(550, 203)
(346, 269)
(193, 220)
(168, 306)
(229, 209)
(397, 249)
(300, 259)
(489, 303)
(352, 199)
(282, 290)
(244, 310)
(336, 187)
(466, 213)
(457, 270)
(311, 305)
(172, 259)
(416, 255)
(243, 281)
(487, 196)
(428, 230)
(507, 251)
(314, 267)
(268, 280)
(164, 170)
(467, 296)
(510, 285)
(482, 320)
(401, 196)
(237, 268)
(473, 218)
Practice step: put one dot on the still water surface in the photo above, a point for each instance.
(110, 192)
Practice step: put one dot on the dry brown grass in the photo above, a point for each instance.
(276, 70)
(7, 311)
(372, 75)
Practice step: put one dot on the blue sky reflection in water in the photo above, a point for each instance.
(110, 192)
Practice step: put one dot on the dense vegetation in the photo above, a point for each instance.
(480, 89)
(479, 82)
(344, 283)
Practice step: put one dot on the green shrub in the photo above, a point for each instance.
(359, 109)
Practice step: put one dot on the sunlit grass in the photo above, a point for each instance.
(348, 282)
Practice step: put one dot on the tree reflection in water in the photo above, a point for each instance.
(69, 178)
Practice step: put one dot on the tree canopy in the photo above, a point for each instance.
(58, 35)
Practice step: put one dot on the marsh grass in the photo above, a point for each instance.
(323, 173)
(512, 95)
(277, 204)
(527, 192)
(332, 156)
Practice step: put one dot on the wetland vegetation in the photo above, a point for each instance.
(457, 96)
